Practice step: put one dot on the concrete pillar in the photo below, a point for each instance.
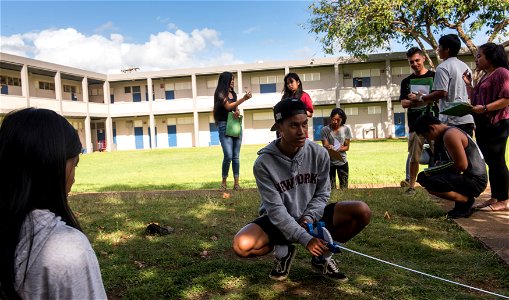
(25, 88)
(84, 88)
(58, 89)
(151, 119)
(336, 84)
(196, 119)
(240, 86)
(287, 70)
(109, 123)
(109, 134)
(106, 93)
(88, 135)
(390, 120)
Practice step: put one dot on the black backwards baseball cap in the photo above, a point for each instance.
(286, 108)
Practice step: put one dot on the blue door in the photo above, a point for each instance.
(136, 94)
(317, 128)
(214, 134)
(399, 124)
(138, 137)
(5, 89)
(172, 135)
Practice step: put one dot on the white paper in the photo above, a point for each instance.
(417, 88)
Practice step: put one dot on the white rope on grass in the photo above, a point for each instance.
(422, 273)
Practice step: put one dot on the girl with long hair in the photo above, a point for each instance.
(43, 254)
(490, 98)
(225, 101)
(293, 89)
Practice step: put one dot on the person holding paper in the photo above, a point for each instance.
(448, 85)
(225, 102)
(490, 100)
(336, 139)
(459, 172)
(420, 81)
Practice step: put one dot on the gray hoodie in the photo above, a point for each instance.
(293, 188)
(61, 264)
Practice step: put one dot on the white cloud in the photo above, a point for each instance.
(164, 50)
(250, 30)
(108, 26)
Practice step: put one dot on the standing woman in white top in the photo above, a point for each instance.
(43, 253)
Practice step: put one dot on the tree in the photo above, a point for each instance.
(359, 27)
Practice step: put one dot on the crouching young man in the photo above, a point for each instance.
(292, 175)
(460, 172)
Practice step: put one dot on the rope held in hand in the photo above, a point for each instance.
(321, 227)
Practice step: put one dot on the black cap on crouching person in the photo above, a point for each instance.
(286, 108)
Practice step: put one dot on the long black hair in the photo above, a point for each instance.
(35, 145)
(222, 90)
(495, 54)
(286, 91)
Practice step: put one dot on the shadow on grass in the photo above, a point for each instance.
(137, 266)
(170, 186)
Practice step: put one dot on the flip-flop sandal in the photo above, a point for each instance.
(484, 204)
(493, 208)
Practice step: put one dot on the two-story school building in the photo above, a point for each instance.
(173, 108)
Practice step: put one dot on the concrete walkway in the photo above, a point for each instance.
(491, 228)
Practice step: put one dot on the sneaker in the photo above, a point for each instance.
(281, 267)
(461, 210)
(410, 192)
(328, 269)
(404, 183)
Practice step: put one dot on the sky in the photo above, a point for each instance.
(108, 36)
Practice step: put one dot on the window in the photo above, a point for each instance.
(127, 90)
(351, 111)
(70, 89)
(262, 116)
(362, 81)
(267, 83)
(169, 95)
(211, 84)
(267, 88)
(310, 76)
(374, 110)
(169, 91)
(182, 85)
(136, 89)
(43, 85)
(96, 92)
(15, 81)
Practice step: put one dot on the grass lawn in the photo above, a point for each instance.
(371, 162)
(380, 162)
(137, 266)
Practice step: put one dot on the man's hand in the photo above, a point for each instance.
(317, 247)
(304, 220)
(467, 78)
(406, 103)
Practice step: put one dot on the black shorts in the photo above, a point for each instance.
(276, 237)
(447, 182)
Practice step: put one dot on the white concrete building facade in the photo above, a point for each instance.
(173, 108)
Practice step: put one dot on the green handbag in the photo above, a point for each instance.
(233, 125)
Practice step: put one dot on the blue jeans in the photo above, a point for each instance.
(231, 150)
